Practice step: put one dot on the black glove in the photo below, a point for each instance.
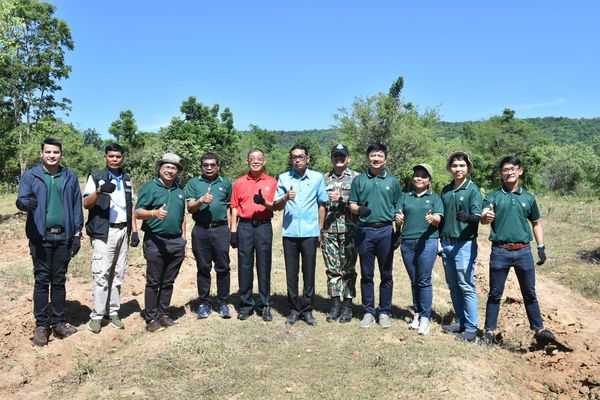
(135, 239)
(396, 239)
(233, 240)
(541, 255)
(75, 246)
(107, 187)
(258, 199)
(32, 202)
(364, 211)
(464, 217)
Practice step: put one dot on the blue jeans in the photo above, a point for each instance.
(418, 256)
(500, 262)
(376, 243)
(459, 266)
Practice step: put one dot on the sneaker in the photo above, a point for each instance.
(224, 311)
(166, 321)
(424, 326)
(489, 338)
(63, 330)
(415, 322)
(384, 321)
(95, 325)
(452, 328)
(116, 322)
(544, 336)
(154, 326)
(467, 336)
(367, 321)
(40, 336)
(203, 311)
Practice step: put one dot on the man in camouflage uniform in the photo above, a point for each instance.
(337, 237)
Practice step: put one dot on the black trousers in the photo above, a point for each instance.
(164, 257)
(293, 249)
(212, 244)
(50, 261)
(254, 240)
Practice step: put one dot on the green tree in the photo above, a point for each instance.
(32, 62)
(124, 130)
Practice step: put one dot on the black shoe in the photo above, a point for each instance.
(292, 318)
(544, 337)
(335, 311)
(308, 318)
(266, 314)
(489, 338)
(452, 328)
(63, 330)
(166, 321)
(244, 315)
(467, 336)
(154, 326)
(40, 336)
(346, 313)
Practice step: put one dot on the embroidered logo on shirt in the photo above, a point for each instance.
(267, 188)
(180, 196)
(387, 188)
(524, 205)
(462, 198)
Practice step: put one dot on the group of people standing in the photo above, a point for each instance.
(347, 214)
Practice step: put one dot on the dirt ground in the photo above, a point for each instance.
(567, 369)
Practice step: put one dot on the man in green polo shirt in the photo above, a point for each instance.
(374, 196)
(509, 210)
(161, 204)
(208, 197)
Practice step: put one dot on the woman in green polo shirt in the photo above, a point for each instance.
(420, 213)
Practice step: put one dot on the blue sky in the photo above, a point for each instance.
(291, 65)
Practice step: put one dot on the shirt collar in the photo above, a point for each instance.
(464, 186)
(413, 193)
(346, 172)
(251, 178)
(382, 175)
(217, 179)
(296, 176)
(506, 191)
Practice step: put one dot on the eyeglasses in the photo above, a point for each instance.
(207, 165)
(300, 157)
(510, 170)
(169, 167)
(259, 159)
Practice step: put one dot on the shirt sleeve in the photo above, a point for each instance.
(476, 202)
(281, 190)
(144, 199)
(438, 207)
(489, 199)
(191, 192)
(90, 186)
(534, 212)
(234, 203)
(270, 194)
(322, 191)
(353, 198)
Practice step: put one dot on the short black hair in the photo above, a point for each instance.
(377, 147)
(512, 159)
(210, 156)
(299, 146)
(52, 142)
(113, 147)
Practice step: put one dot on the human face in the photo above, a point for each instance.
(459, 169)
(340, 161)
(113, 159)
(510, 173)
(421, 180)
(376, 160)
(168, 172)
(210, 168)
(51, 156)
(256, 161)
(299, 160)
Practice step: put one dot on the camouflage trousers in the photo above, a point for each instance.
(339, 254)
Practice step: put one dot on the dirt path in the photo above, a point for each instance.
(570, 369)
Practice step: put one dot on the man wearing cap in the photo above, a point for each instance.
(208, 197)
(508, 210)
(462, 209)
(108, 195)
(252, 234)
(301, 194)
(337, 237)
(161, 204)
(374, 197)
(49, 193)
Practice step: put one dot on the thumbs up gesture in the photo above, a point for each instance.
(429, 217)
(207, 197)
(162, 212)
(489, 215)
(258, 198)
(291, 194)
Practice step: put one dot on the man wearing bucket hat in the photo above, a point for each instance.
(339, 229)
(462, 210)
(161, 204)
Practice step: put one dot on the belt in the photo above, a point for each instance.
(119, 225)
(213, 224)
(255, 222)
(375, 224)
(56, 229)
(510, 246)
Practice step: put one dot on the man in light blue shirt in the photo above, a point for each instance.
(301, 194)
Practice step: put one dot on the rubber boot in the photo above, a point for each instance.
(346, 314)
(334, 313)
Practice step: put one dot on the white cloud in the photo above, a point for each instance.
(531, 106)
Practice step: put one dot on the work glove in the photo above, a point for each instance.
(107, 187)
(135, 239)
(541, 255)
(32, 202)
(258, 198)
(464, 217)
(233, 240)
(364, 211)
(75, 246)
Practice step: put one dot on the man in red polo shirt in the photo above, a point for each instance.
(251, 233)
